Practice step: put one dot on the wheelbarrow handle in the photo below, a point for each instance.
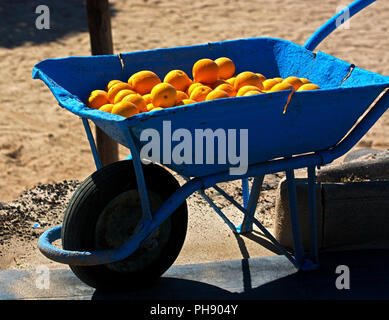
(337, 20)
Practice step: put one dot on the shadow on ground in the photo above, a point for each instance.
(18, 17)
(369, 280)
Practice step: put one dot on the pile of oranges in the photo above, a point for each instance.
(212, 79)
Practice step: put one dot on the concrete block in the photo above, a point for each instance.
(359, 153)
(372, 166)
(355, 213)
(282, 226)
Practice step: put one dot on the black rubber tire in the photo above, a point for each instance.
(89, 201)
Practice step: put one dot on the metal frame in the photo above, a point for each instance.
(250, 197)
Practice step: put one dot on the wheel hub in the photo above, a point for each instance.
(117, 224)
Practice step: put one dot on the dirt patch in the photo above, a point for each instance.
(208, 238)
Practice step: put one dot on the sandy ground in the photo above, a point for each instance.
(41, 143)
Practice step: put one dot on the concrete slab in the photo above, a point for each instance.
(262, 278)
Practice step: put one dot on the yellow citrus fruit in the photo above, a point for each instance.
(112, 83)
(114, 90)
(150, 106)
(216, 83)
(261, 76)
(227, 88)
(122, 94)
(270, 83)
(281, 87)
(200, 93)
(186, 102)
(245, 89)
(192, 87)
(138, 100)
(178, 79)
(205, 71)
(125, 109)
(97, 99)
(308, 86)
(156, 108)
(231, 81)
(181, 95)
(279, 79)
(226, 67)
(106, 108)
(294, 81)
(163, 95)
(144, 81)
(147, 98)
(216, 94)
(247, 78)
(305, 80)
(251, 93)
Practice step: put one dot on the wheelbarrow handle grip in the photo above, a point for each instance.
(337, 20)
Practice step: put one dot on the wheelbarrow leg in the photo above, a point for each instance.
(313, 239)
(250, 204)
(301, 262)
(92, 143)
(245, 192)
(294, 220)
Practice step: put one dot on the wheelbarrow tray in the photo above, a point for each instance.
(313, 121)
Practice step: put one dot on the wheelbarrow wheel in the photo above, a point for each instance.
(104, 212)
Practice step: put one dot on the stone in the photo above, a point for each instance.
(282, 226)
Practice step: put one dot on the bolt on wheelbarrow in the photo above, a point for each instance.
(125, 225)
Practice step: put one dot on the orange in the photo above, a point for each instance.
(216, 94)
(137, 100)
(156, 108)
(305, 80)
(200, 93)
(192, 87)
(178, 79)
(147, 98)
(205, 71)
(112, 83)
(261, 76)
(122, 94)
(294, 81)
(231, 81)
(308, 86)
(217, 83)
(150, 106)
(281, 87)
(163, 95)
(251, 93)
(114, 90)
(247, 78)
(279, 79)
(125, 109)
(245, 89)
(226, 67)
(270, 83)
(144, 81)
(185, 102)
(227, 88)
(106, 108)
(181, 96)
(97, 99)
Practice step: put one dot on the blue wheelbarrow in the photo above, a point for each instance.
(126, 223)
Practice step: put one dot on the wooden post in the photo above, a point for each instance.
(99, 22)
